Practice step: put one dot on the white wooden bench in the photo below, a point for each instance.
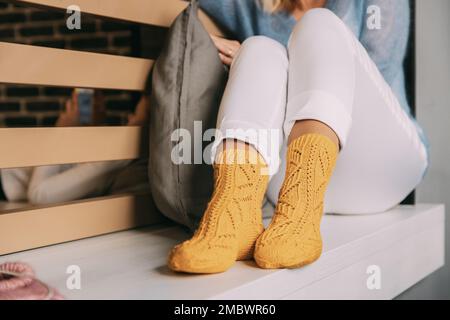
(407, 243)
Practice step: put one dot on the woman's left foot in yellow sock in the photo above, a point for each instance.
(233, 220)
(293, 237)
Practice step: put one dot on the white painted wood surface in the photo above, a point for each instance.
(407, 243)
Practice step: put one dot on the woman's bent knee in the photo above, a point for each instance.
(319, 25)
(319, 17)
(263, 48)
(262, 43)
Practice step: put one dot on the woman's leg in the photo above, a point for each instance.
(333, 81)
(254, 102)
(250, 121)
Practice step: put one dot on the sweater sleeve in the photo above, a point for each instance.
(387, 46)
(52, 184)
(236, 17)
(15, 183)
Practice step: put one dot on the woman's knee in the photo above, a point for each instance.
(263, 49)
(263, 43)
(318, 25)
(319, 17)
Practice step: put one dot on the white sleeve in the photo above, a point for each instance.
(51, 185)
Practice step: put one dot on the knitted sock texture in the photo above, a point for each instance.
(293, 237)
(232, 221)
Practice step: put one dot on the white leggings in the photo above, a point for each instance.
(325, 74)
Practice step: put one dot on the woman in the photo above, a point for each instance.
(331, 81)
(68, 182)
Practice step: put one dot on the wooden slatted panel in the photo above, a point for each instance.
(152, 12)
(46, 146)
(25, 64)
(26, 229)
(22, 64)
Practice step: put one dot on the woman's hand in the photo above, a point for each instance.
(142, 113)
(70, 117)
(227, 49)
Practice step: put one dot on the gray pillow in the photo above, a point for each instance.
(188, 82)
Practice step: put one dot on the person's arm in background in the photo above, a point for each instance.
(141, 114)
(15, 183)
(53, 184)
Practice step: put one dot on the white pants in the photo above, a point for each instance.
(325, 74)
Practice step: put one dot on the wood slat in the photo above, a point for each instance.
(27, 229)
(151, 12)
(25, 64)
(46, 146)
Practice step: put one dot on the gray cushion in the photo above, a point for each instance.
(187, 85)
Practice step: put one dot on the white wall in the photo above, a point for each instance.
(433, 103)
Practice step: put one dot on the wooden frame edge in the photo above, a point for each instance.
(28, 229)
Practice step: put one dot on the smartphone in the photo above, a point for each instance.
(85, 105)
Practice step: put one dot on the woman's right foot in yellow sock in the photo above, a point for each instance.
(293, 237)
(232, 221)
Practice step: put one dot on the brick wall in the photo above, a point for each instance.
(23, 106)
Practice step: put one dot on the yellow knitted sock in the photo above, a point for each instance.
(233, 219)
(293, 237)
